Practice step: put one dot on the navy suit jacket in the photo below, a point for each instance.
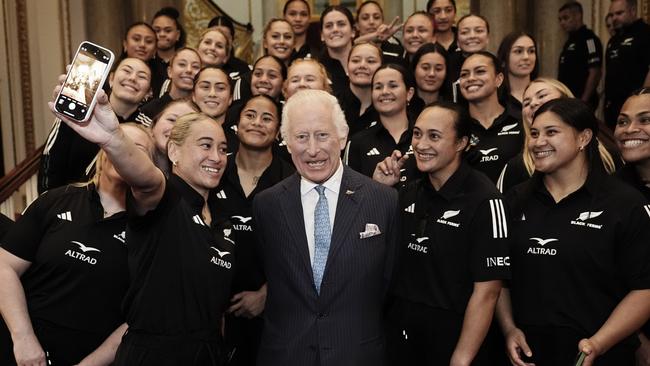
(343, 325)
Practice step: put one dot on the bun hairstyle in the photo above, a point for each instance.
(223, 21)
(172, 13)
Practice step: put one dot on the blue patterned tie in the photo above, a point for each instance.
(322, 237)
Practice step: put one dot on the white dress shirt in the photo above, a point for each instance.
(309, 198)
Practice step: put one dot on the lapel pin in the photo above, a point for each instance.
(349, 192)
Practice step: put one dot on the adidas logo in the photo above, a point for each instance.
(65, 216)
(647, 209)
(221, 195)
(197, 219)
(410, 208)
(373, 151)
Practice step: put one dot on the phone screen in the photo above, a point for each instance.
(85, 77)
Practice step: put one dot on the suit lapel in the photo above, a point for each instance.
(291, 206)
(347, 208)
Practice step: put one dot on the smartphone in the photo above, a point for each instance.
(88, 72)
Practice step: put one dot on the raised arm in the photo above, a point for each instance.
(147, 182)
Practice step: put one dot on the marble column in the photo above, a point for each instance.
(502, 15)
(106, 22)
(548, 34)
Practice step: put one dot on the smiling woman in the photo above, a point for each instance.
(418, 30)
(452, 255)
(633, 136)
(337, 32)
(518, 53)
(168, 217)
(278, 39)
(251, 170)
(579, 214)
(393, 87)
(497, 135)
(214, 47)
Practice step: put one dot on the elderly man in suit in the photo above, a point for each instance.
(328, 241)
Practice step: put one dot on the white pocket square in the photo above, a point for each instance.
(371, 230)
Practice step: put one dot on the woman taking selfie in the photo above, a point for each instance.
(179, 254)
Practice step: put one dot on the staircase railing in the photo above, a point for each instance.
(20, 186)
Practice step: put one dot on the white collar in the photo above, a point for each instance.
(333, 183)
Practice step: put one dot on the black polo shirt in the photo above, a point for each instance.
(371, 146)
(392, 51)
(153, 108)
(452, 238)
(629, 175)
(512, 174)
(304, 52)
(158, 75)
(180, 268)
(573, 261)
(351, 106)
(627, 61)
(230, 203)
(491, 148)
(236, 67)
(78, 273)
(581, 52)
(337, 74)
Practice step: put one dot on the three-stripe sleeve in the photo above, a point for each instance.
(499, 222)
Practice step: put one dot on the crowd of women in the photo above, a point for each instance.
(139, 266)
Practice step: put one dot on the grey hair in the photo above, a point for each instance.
(308, 97)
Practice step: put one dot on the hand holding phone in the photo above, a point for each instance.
(86, 76)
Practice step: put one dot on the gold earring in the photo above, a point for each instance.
(175, 163)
